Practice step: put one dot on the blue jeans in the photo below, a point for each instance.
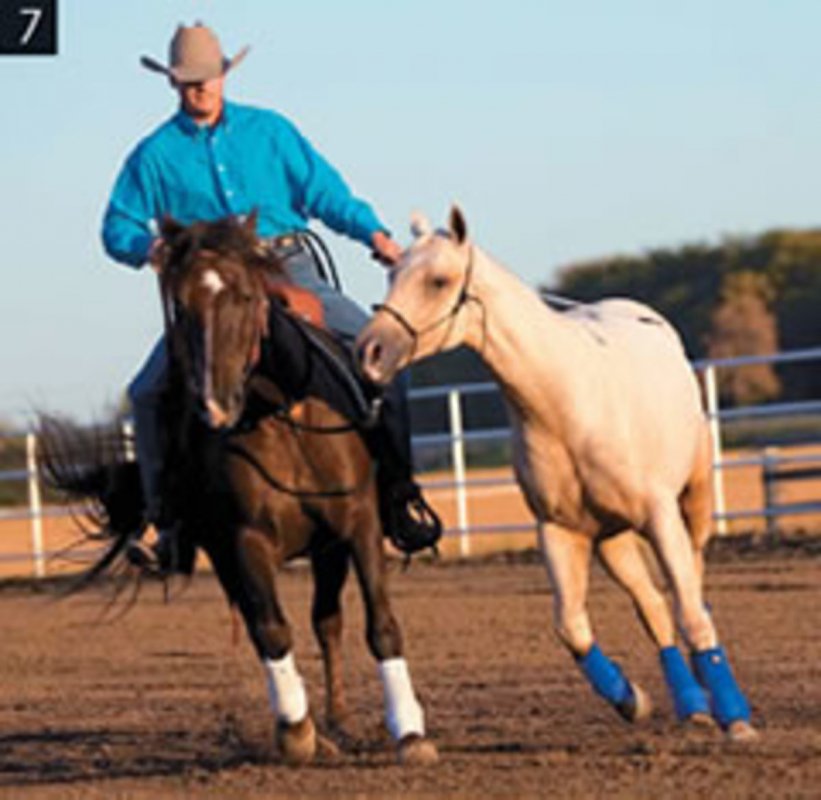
(342, 315)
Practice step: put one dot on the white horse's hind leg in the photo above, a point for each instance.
(567, 558)
(623, 558)
(696, 503)
(675, 551)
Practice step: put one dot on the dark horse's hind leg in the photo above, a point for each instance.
(330, 567)
(403, 713)
(247, 570)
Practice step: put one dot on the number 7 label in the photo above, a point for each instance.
(28, 27)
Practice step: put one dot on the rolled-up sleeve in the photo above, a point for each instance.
(322, 191)
(126, 230)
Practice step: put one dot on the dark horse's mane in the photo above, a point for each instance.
(228, 237)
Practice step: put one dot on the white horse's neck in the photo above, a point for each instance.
(521, 339)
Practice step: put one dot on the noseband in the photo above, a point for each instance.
(464, 297)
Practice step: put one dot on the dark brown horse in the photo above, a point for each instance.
(261, 475)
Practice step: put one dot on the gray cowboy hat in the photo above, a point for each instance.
(194, 55)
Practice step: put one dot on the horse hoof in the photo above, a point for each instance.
(638, 707)
(327, 747)
(742, 731)
(417, 751)
(297, 742)
(700, 721)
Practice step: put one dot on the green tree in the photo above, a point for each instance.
(689, 284)
(743, 324)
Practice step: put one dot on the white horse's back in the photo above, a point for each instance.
(619, 316)
(653, 392)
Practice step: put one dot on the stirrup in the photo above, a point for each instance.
(160, 558)
(411, 524)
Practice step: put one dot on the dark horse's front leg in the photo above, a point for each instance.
(403, 713)
(330, 563)
(246, 567)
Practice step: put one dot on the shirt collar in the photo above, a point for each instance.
(188, 126)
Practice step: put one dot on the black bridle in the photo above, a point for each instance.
(463, 298)
(177, 321)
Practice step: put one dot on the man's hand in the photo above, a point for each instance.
(385, 249)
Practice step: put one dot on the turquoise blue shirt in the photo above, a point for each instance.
(251, 159)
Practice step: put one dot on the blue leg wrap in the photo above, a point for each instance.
(713, 671)
(605, 677)
(688, 697)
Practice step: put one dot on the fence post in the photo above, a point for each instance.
(719, 501)
(457, 444)
(35, 507)
(769, 467)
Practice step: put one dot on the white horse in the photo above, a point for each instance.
(610, 438)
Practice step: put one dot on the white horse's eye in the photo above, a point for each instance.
(439, 282)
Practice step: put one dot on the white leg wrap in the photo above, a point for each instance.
(403, 714)
(285, 689)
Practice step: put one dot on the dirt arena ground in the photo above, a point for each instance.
(162, 703)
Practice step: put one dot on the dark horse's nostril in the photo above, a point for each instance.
(369, 353)
(374, 352)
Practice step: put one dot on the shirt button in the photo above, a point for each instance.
(220, 167)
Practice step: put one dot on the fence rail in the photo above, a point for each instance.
(773, 465)
(708, 369)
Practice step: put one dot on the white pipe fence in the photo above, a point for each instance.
(458, 440)
(708, 369)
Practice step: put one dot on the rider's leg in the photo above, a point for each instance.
(145, 393)
(410, 522)
(343, 316)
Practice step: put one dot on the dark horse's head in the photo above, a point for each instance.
(213, 277)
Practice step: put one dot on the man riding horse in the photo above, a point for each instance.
(213, 159)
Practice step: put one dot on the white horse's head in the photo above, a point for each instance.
(426, 310)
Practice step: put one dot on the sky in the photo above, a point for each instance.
(565, 130)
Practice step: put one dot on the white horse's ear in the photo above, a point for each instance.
(420, 224)
(458, 226)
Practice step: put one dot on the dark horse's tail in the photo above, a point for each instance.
(92, 469)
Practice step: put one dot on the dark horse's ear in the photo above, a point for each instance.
(458, 226)
(250, 222)
(170, 229)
